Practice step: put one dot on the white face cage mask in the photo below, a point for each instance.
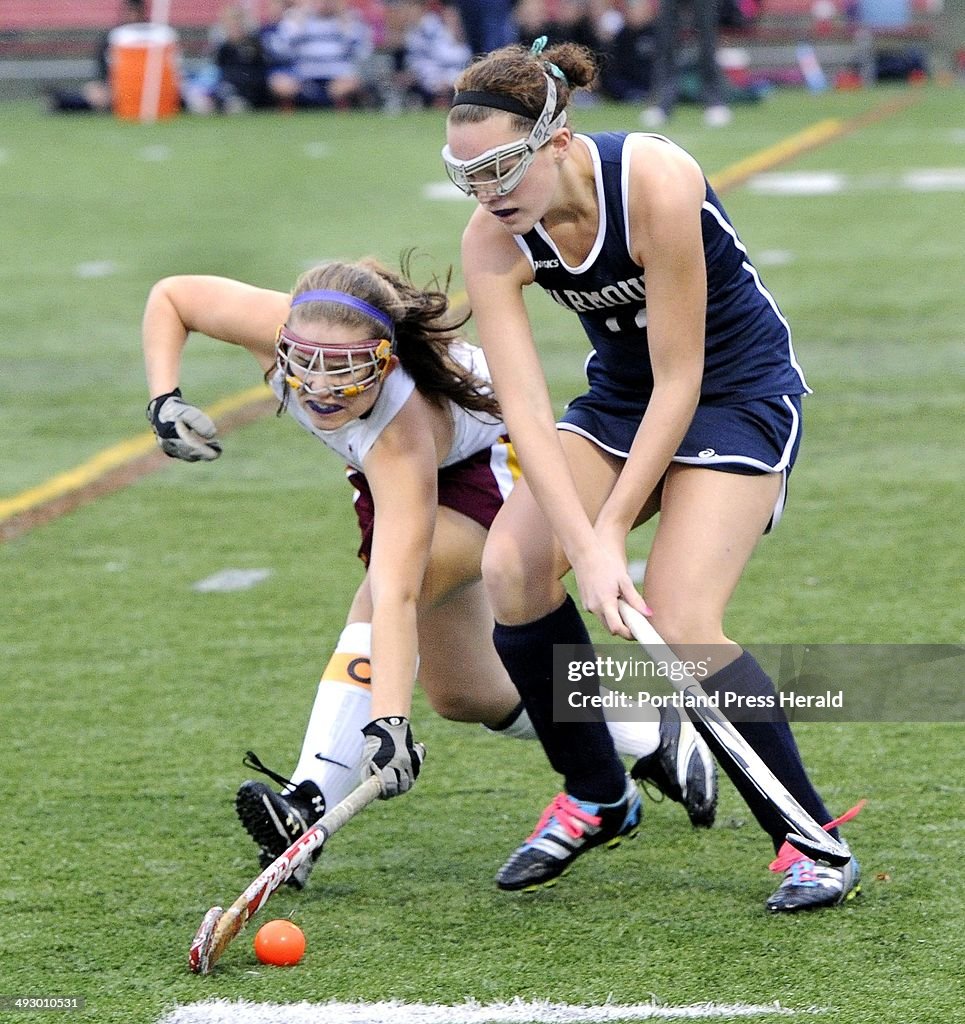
(341, 371)
(499, 170)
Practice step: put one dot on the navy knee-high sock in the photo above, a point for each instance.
(582, 752)
(771, 737)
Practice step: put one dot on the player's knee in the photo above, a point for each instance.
(455, 707)
(502, 572)
(682, 625)
(521, 579)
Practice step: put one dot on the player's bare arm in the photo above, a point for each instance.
(402, 471)
(218, 307)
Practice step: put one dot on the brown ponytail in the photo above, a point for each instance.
(518, 72)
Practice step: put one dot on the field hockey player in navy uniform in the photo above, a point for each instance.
(375, 369)
(693, 411)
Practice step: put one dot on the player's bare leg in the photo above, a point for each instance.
(689, 582)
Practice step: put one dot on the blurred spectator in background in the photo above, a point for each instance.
(607, 17)
(572, 22)
(627, 71)
(666, 86)
(241, 60)
(275, 52)
(235, 79)
(322, 47)
(531, 20)
(435, 51)
(560, 21)
(487, 24)
(95, 95)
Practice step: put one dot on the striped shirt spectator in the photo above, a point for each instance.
(435, 53)
(325, 44)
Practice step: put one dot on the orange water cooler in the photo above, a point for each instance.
(144, 72)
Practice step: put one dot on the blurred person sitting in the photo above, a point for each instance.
(324, 44)
(235, 78)
(560, 22)
(435, 52)
(241, 60)
(276, 53)
(95, 96)
(627, 72)
(531, 19)
(570, 21)
(574, 22)
(607, 18)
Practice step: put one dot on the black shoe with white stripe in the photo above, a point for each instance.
(568, 828)
(682, 768)
(275, 821)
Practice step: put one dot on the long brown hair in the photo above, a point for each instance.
(425, 324)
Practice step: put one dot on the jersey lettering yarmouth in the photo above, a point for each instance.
(748, 350)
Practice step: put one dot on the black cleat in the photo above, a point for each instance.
(568, 828)
(275, 821)
(682, 768)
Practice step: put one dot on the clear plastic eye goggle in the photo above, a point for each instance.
(341, 371)
(496, 172)
(499, 170)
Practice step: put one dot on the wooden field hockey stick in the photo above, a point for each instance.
(219, 926)
(806, 834)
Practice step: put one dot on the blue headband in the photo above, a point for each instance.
(344, 299)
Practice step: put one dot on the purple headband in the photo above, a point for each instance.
(344, 299)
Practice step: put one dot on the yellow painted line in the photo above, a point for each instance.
(111, 458)
(816, 135)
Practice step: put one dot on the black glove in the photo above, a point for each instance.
(182, 431)
(389, 753)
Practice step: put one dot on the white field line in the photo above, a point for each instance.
(95, 268)
(228, 580)
(518, 1011)
(445, 191)
(818, 183)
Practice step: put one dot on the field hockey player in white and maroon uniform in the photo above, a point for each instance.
(373, 367)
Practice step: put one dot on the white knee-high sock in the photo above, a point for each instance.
(332, 749)
(634, 738)
(516, 725)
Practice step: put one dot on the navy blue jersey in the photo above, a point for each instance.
(748, 350)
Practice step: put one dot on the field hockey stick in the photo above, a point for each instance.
(806, 834)
(219, 926)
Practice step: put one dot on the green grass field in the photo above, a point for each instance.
(128, 698)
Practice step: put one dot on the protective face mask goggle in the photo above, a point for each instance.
(341, 371)
(499, 170)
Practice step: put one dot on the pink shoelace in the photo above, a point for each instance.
(787, 855)
(569, 814)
